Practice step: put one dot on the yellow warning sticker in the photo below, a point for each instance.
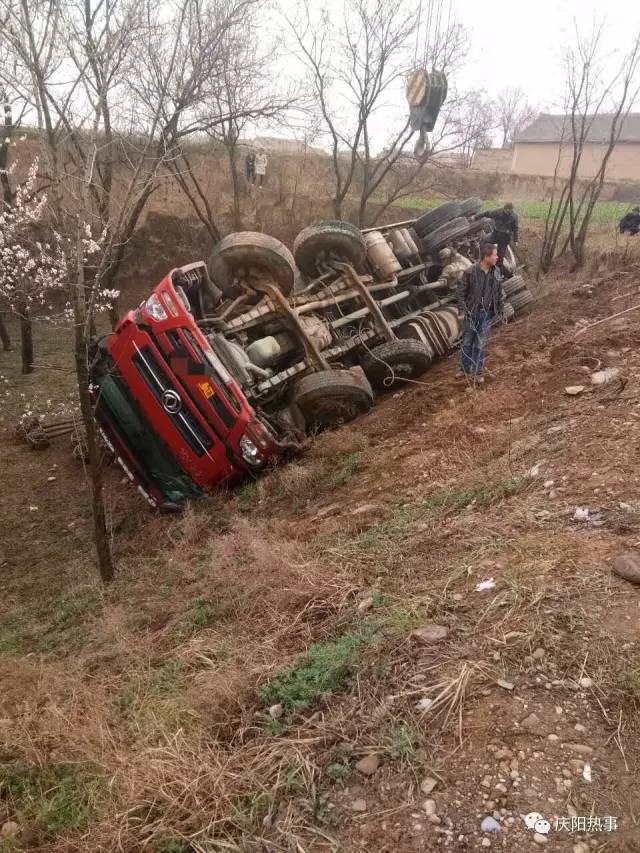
(207, 389)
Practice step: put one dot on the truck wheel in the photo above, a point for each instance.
(477, 226)
(393, 362)
(331, 239)
(443, 235)
(470, 206)
(236, 255)
(331, 398)
(433, 219)
(513, 285)
(521, 300)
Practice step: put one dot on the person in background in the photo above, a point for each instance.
(261, 166)
(630, 222)
(480, 300)
(505, 229)
(250, 167)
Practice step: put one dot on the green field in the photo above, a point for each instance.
(606, 212)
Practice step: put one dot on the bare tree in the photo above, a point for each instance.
(513, 113)
(357, 59)
(590, 97)
(98, 70)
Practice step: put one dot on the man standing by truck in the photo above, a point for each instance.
(505, 229)
(480, 299)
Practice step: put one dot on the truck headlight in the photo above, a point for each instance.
(250, 452)
(155, 308)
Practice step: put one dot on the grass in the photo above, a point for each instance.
(605, 213)
(53, 797)
(324, 669)
(405, 514)
(200, 613)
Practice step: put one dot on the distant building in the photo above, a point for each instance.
(537, 148)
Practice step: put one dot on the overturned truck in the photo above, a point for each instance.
(229, 365)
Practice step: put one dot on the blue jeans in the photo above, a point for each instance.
(475, 337)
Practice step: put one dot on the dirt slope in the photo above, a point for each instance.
(137, 718)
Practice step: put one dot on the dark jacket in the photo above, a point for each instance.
(504, 220)
(630, 222)
(480, 291)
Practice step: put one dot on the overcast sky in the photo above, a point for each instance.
(516, 43)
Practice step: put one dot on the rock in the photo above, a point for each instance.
(579, 727)
(433, 818)
(502, 788)
(364, 508)
(627, 566)
(490, 824)
(424, 704)
(276, 711)
(507, 685)
(429, 634)
(486, 782)
(553, 737)
(581, 748)
(359, 806)
(548, 484)
(531, 723)
(573, 391)
(365, 604)
(427, 785)
(539, 838)
(486, 842)
(51, 479)
(9, 828)
(602, 377)
(368, 765)
(580, 847)
(538, 654)
(585, 683)
(429, 807)
(576, 764)
(502, 754)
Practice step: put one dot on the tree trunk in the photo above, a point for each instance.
(4, 336)
(235, 181)
(26, 342)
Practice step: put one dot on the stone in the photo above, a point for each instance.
(553, 737)
(507, 685)
(603, 377)
(548, 484)
(585, 683)
(627, 566)
(368, 765)
(365, 508)
(538, 654)
(359, 806)
(427, 785)
(9, 828)
(365, 604)
(579, 727)
(486, 842)
(430, 633)
(581, 748)
(580, 847)
(576, 764)
(433, 818)
(502, 788)
(573, 391)
(502, 754)
(531, 723)
(539, 838)
(276, 711)
(490, 824)
(429, 807)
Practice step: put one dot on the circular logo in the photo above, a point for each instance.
(171, 402)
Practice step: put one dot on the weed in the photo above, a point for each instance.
(324, 669)
(247, 496)
(199, 614)
(401, 742)
(157, 685)
(252, 808)
(338, 772)
(54, 797)
(274, 727)
(173, 845)
(629, 682)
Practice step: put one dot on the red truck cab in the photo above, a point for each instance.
(172, 413)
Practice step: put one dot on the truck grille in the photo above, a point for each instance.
(172, 401)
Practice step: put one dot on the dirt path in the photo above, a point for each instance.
(145, 709)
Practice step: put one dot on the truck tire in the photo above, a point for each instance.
(513, 285)
(236, 254)
(443, 235)
(522, 300)
(470, 206)
(329, 239)
(433, 219)
(331, 398)
(477, 226)
(393, 362)
(508, 313)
